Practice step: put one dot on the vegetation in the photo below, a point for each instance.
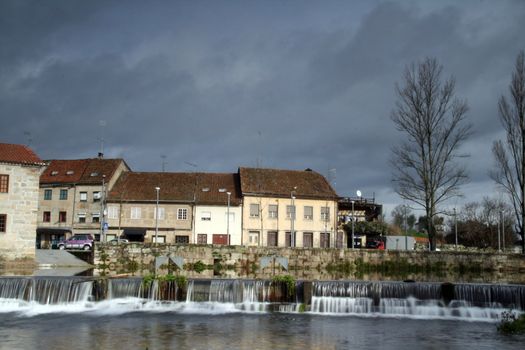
(425, 167)
(288, 281)
(509, 171)
(511, 323)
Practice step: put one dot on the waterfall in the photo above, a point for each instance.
(125, 288)
(416, 299)
(46, 290)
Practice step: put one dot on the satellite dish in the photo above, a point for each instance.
(358, 193)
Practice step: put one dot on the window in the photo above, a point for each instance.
(182, 214)
(254, 210)
(63, 194)
(273, 211)
(308, 239)
(96, 196)
(232, 217)
(325, 213)
(182, 239)
(206, 216)
(4, 183)
(83, 196)
(95, 218)
(161, 213)
(62, 216)
(3, 222)
(113, 212)
(159, 239)
(135, 213)
(48, 195)
(308, 213)
(290, 211)
(47, 216)
(81, 218)
(253, 238)
(202, 238)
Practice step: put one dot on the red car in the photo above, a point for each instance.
(375, 244)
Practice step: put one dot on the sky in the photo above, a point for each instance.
(213, 85)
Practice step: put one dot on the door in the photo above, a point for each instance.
(253, 238)
(220, 239)
(272, 239)
(325, 240)
(308, 240)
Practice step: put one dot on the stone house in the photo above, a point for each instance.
(72, 197)
(285, 208)
(192, 208)
(20, 170)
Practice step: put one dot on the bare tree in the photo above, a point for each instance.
(509, 171)
(424, 165)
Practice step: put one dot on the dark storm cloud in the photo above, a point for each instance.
(221, 84)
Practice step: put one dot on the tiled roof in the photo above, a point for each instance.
(177, 187)
(79, 171)
(18, 154)
(280, 183)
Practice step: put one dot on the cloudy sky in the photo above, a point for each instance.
(214, 85)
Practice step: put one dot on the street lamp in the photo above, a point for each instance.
(503, 228)
(292, 218)
(228, 218)
(353, 223)
(157, 189)
(456, 227)
(406, 228)
(102, 199)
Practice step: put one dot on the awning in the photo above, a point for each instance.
(59, 230)
(134, 232)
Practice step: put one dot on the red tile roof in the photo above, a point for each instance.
(280, 183)
(18, 154)
(79, 171)
(177, 187)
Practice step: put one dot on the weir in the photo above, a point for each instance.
(427, 300)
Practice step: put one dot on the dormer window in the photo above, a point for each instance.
(94, 174)
(54, 173)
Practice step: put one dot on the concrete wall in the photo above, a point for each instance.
(21, 206)
(309, 264)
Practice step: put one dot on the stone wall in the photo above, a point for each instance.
(20, 204)
(308, 264)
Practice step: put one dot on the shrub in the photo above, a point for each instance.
(512, 323)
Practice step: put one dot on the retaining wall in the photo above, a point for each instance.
(208, 261)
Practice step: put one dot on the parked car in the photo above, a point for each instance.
(375, 244)
(78, 241)
(120, 240)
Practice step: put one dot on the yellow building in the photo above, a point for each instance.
(284, 208)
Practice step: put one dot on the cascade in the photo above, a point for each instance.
(46, 290)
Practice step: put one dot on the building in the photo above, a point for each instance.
(192, 207)
(357, 209)
(132, 204)
(72, 197)
(20, 170)
(283, 208)
(217, 198)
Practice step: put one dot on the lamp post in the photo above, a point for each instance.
(499, 235)
(406, 228)
(102, 198)
(228, 218)
(456, 227)
(157, 190)
(292, 218)
(503, 228)
(353, 227)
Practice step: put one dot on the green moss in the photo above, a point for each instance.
(288, 280)
(148, 280)
(302, 308)
(511, 323)
(198, 266)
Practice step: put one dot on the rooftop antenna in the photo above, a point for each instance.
(258, 160)
(163, 157)
(102, 124)
(194, 166)
(29, 138)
